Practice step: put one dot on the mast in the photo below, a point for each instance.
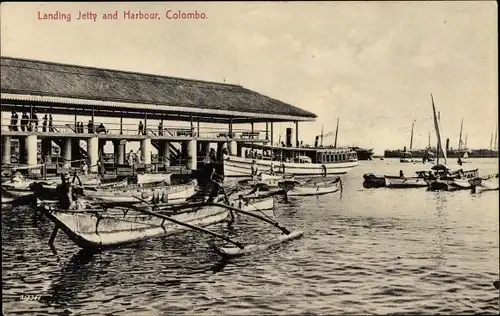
(321, 135)
(336, 134)
(465, 145)
(496, 139)
(411, 138)
(460, 138)
(429, 141)
(438, 130)
(491, 141)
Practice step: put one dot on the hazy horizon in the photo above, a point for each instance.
(371, 64)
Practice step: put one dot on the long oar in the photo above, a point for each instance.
(237, 244)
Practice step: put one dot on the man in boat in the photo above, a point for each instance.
(217, 185)
(401, 174)
(67, 193)
(459, 161)
(85, 168)
(254, 169)
(271, 170)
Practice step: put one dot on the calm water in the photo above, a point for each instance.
(372, 251)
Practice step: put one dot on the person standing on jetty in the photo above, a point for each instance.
(51, 126)
(44, 128)
(24, 122)
(141, 128)
(34, 120)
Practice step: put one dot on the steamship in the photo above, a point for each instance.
(297, 161)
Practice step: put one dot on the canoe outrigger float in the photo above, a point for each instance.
(108, 226)
(485, 183)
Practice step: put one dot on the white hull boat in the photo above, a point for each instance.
(402, 182)
(242, 167)
(154, 178)
(172, 194)
(306, 188)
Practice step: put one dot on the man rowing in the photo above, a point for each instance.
(67, 193)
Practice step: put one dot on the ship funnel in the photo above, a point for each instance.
(447, 144)
(316, 142)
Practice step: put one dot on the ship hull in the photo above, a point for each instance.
(241, 167)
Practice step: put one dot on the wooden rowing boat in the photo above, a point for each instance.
(404, 182)
(171, 194)
(311, 187)
(373, 181)
(148, 178)
(452, 181)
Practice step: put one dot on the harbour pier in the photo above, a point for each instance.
(96, 102)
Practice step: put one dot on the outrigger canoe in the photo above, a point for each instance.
(99, 228)
(485, 183)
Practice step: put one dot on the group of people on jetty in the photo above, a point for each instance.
(29, 123)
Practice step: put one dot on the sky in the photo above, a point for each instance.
(373, 65)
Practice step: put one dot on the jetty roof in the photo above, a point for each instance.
(71, 89)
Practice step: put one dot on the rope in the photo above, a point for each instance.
(271, 219)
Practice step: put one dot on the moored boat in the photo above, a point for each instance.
(302, 161)
(311, 186)
(149, 178)
(171, 194)
(406, 182)
(484, 183)
(99, 229)
(373, 181)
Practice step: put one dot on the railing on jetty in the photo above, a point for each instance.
(70, 127)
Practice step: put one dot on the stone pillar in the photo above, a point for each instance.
(93, 153)
(297, 134)
(146, 151)
(66, 152)
(272, 134)
(119, 150)
(233, 147)
(23, 153)
(220, 146)
(6, 151)
(102, 143)
(193, 159)
(47, 149)
(32, 150)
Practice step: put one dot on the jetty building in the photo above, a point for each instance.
(40, 89)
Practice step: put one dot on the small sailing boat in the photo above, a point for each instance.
(465, 157)
(406, 156)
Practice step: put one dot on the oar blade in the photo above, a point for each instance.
(234, 252)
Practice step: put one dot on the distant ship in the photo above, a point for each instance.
(363, 154)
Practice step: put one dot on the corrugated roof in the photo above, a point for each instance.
(22, 76)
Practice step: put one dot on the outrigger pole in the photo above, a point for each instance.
(237, 244)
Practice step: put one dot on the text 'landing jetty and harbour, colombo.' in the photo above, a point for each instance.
(167, 14)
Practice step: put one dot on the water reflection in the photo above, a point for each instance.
(440, 226)
(73, 279)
